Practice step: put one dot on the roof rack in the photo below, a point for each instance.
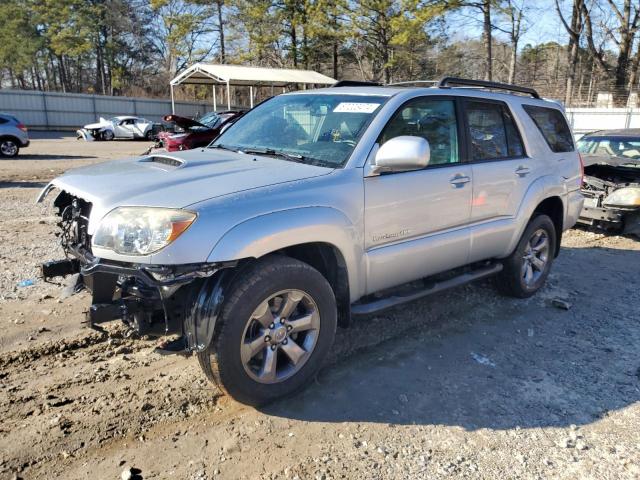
(447, 82)
(355, 83)
(413, 82)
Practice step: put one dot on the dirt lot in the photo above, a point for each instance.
(466, 384)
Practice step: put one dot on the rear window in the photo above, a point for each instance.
(553, 127)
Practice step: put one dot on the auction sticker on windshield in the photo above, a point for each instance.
(355, 107)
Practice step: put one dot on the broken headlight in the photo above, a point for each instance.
(625, 197)
(141, 230)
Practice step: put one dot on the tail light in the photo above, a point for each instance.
(22, 127)
(581, 169)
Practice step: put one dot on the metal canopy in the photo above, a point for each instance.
(212, 74)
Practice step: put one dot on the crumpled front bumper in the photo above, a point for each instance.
(85, 134)
(149, 298)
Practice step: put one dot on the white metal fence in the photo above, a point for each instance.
(65, 111)
(583, 120)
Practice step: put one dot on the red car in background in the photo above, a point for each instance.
(195, 133)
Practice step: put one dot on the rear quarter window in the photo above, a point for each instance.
(553, 127)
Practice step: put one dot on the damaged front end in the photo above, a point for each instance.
(612, 198)
(153, 300)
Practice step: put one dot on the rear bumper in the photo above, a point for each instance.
(25, 143)
(575, 202)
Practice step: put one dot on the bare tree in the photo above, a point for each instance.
(574, 29)
(622, 34)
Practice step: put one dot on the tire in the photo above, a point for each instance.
(9, 147)
(148, 135)
(108, 135)
(526, 269)
(254, 301)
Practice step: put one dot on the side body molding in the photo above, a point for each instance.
(270, 232)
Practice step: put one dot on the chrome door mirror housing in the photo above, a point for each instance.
(402, 154)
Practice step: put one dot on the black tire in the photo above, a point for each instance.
(511, 281)
(222, 362)
(9, 147)
(149, 135)
(108, 135)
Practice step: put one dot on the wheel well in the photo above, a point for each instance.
(11, 137)
(554, 209)
(328, 260)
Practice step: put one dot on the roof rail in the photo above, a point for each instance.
(447, 82)
(355, 83)
(413, 82)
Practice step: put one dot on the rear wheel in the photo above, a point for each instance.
(527, 268)
(149, 135)
(274, 331)
(9, 147)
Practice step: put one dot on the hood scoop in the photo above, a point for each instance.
(164, 160)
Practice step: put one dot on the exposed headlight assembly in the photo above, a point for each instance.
(627, 197)
(141, 230)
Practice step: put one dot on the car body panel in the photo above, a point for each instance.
(388, 228)
(124, 127)
(9, 128)
(196, 134)
(612, 162)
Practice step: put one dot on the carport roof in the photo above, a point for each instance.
(212, 74)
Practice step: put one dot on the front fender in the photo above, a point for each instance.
(264, 234)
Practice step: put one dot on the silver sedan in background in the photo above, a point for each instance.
(13, 136)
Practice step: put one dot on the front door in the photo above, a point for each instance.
(416, 222)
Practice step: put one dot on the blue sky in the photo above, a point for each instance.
(541, 24)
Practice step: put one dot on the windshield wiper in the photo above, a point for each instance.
(271, 152)
(294, 157)
(223, 147)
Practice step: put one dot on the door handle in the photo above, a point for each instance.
(523, 171)
(459, 181)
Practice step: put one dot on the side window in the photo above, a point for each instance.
(492, 131)
(553, 127)
(3, 120)
(431, 119)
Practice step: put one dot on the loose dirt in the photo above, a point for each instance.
(465, 384)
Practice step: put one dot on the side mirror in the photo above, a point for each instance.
(402, 154)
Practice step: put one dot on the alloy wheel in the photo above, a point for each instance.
(8, 148)
(280, 336)
(536, 257)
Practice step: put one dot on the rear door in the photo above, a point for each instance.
(502, 174)
(416, 222)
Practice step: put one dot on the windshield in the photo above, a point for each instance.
(320, 129)
(211, 119)
(621, 147)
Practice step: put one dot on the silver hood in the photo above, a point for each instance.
(176, 181)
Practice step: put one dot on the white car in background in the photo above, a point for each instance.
(118, 127)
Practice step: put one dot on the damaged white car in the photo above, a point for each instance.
(118, 127)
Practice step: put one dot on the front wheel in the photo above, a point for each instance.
(9, 148)
(108, 135)
(274, 331)
(527, 268)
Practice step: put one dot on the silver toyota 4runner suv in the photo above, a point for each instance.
(313, 207)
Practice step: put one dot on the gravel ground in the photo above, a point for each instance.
(466, 384)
